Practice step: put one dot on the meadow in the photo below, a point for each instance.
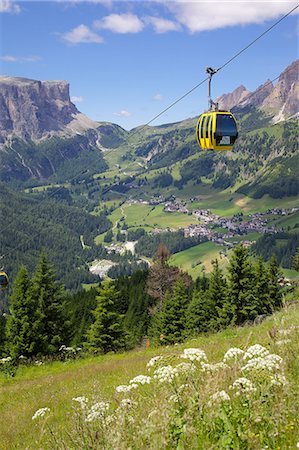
(188, 399)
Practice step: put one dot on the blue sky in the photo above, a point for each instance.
(127, 61)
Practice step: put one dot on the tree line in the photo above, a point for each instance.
(162, 304)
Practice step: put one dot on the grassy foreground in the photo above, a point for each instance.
(182, 407)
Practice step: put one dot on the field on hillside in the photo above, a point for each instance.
(54, 385)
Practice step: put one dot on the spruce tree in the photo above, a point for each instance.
(261, 288)
(107, 332)
(49, 296)
(241, 304)
(198, 313)
(217, 298)
(24, 321)
(274, 274)
(174, 313)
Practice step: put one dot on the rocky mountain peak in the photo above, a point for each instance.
(32, 109)
(227, 101)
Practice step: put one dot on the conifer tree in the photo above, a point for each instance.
(261, 288)
(49, 296)
(24, 322)
(2, 332)
(217, 297)
(173, 319)
(107, 332)
(198, 314)
(241, 304)
(275, 293)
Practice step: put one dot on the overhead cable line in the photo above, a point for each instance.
(138, 130)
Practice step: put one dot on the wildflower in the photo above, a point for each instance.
(184, 368)
(283, 342)
(214, 367)
(40, 413)
(278, 380)
(243, 386)
(195, 354)
(127, 403)
(142, 379)
(81, 400)
(97, 410)
(256, 351)
(126, 388)
(233, 353)
(269, 363)
(165, 374)
(5, 360)
(219, 397)
(152, 362)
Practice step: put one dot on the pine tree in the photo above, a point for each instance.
(275, 293)
(217, 298)
(241, 304)
(24, 322)
(174, 313)
(198, 313)
(107, 332)
(261, 288)
(49, 296)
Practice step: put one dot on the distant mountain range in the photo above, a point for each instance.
(281, 101)
(43, 136)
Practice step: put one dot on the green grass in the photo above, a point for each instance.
(54, 385)
(194, 259)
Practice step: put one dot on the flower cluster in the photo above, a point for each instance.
(214, 367)
(5, 360)
(142, 379)
(242, 386)
(165, 374)
(256, 351)
(233, 354)
(40, 413)
(195, 354)
(152, 362)
(270, 363)
(81, 400)
(218, 397)
(126, 388)
(97, 410)
(278, 380)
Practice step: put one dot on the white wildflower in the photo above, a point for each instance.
(152, 362)
(165, 374)
(256, 351)
(283, 341)
(38, 363)
(127, 403)
(5, 360)
(243, 386)
(214, 367)
(40, 413)
(81, 400)
(270, 362)
(233, 353)
(97, 410)
(219, 397)
(285, 332)
(184, 368)
(182, 387)
(195, 354)
(278, 380)
(142, 379)
(126, 388)
(173, 398)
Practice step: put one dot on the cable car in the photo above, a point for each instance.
(3, 280)
(216, 130)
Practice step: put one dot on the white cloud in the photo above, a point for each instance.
(77, 99)
(157, 97)
(82, 35)
(162, 25)
(201, 15)
(9, 6)
(20, 59)
(123, 113)
(120, 23)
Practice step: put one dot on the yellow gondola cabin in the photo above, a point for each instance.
(216, 130)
